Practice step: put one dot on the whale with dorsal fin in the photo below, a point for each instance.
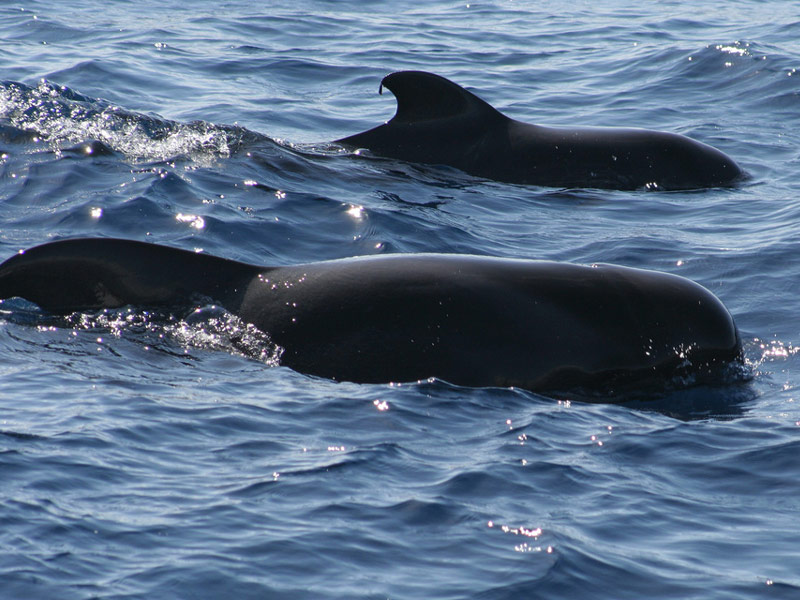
(469, 320)
(440, 123)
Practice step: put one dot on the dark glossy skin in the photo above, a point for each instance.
(439, 122)
(469, 320)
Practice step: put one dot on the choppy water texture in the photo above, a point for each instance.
(148, 459)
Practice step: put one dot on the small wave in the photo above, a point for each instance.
(62, 118)
(744, 66)
(206, 328)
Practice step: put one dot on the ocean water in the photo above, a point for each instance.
(148, 459)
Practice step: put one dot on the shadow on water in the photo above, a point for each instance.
(726, 399)
(719, 402)
(721, 394)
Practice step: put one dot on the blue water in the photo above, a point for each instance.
(144, 459)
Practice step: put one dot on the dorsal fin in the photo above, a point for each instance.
(423, 96)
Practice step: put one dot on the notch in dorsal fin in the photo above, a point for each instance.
(425, 96)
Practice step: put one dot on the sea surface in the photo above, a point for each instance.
(144, 458)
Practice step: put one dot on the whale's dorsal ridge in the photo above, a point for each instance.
(423, 96)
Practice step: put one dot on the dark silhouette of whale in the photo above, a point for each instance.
(469, 320)
(439, 122)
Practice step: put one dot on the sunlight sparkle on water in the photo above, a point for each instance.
(777, 349)
(193, 220)
(533, 533)
(732, 49)
(355, 211)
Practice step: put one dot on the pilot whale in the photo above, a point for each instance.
(438, 122)
(469, 320)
